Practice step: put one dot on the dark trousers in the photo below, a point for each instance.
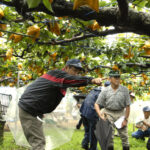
(89, 139)
(2, 124)
(148, 144)
(79, 123)
(139, 134)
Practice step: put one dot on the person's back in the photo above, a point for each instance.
(87, 108)
(89, 118)
(42, 96)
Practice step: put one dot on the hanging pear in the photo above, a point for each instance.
(93, 4)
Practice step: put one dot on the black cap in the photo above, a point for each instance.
(114, 73)
(75, 63)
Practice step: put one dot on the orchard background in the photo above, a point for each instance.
(40, 35)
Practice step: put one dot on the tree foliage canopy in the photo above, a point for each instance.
(38, 35)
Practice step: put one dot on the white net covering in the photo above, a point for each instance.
(136, 111)
(58, 125)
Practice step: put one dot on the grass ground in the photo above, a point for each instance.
(75, 143)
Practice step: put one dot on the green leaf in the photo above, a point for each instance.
(48, 5)
(142, 4)
(86, 23)
(33, 3)
(102, 3)
(148, 4)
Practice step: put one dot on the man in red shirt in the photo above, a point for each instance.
(43, 96)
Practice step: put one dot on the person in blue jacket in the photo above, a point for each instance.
(90, 118)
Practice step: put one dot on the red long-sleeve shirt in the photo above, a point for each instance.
(44, 94)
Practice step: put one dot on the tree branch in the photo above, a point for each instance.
(146, 65)
(5, 79)
(78, 38)
(2, 2)
(16, 33)
(137, 22)
(23, 52)
(127, 64)
(107, 16)
(100, 66)
(144, 56)
(123, 10)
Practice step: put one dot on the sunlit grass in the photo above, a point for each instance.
(75, 142)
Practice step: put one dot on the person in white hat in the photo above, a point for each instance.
(132, 96)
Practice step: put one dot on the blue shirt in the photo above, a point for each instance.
(87, 108)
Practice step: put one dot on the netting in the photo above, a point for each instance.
(136, 111)
(58, 125)
(4, 103)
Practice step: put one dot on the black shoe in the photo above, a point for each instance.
(110, 148)
(126, 148)
(142, 139)
(78, 127)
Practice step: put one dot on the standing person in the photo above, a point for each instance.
(80, 98)
(132, 108)
(43, 96)
(116, 101)
(90, 118)
(132, 96)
